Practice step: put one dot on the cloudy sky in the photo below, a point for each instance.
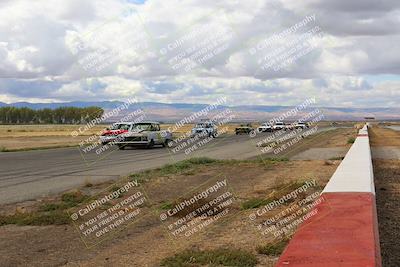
(277, 52)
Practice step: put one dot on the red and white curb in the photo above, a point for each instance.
(344, 229)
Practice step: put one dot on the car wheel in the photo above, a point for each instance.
(151, 144)
(121, 147)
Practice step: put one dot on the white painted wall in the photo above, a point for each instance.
(355, 173)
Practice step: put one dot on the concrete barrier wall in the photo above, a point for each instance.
(344, 229)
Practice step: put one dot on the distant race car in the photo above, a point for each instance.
(144, 134)
(265, 127)
(279, 126)
(110, 134)
(244, 129)
(207, 128)
(301, 125)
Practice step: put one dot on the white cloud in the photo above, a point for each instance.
(52, 45)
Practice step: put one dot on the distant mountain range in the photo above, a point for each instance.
(176, 111)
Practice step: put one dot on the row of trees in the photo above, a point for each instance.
(61, 115)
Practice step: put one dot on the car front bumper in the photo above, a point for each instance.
(107, 138)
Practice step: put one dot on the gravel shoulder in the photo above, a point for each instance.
(387, 183)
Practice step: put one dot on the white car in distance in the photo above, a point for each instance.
(279, 126)
(265, 127)
(204, 129)
(301, 125)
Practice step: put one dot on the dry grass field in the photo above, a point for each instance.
(26, 137)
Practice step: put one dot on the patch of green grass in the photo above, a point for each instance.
(68, 200)
(3, 149)
(166, 206)
(217, 257)
(184, 165)
(51, 213)
(188, 167)
(52, 206)
(274, 249)
(72, 199)
(55, 217)
(337, 158)
(351, 140)
(180, 167)
(254, 203)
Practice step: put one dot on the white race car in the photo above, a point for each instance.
(144, 134)
(301, 125)
(279, 126)
(265, 127)
(204, 129)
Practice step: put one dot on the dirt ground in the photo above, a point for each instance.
(325, 145)
(328, 145)
(147, 243)
(387, 183)
(381, 137)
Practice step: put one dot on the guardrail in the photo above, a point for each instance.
(344, 229)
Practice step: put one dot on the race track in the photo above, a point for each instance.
(31, 174)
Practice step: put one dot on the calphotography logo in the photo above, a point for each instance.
(195, 212)
(109, 213)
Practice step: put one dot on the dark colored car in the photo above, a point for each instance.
(244, 129)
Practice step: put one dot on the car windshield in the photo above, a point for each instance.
(120, 126)
(142, 126)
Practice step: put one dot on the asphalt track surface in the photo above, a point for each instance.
(30, 174)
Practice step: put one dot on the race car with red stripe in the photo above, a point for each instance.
(111, 134)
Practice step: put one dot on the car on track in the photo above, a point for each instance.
(144, 134)
(111, 133)
(301, 125)
(280, 125)
(265, 127)
(206, 128)
(244, 129)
